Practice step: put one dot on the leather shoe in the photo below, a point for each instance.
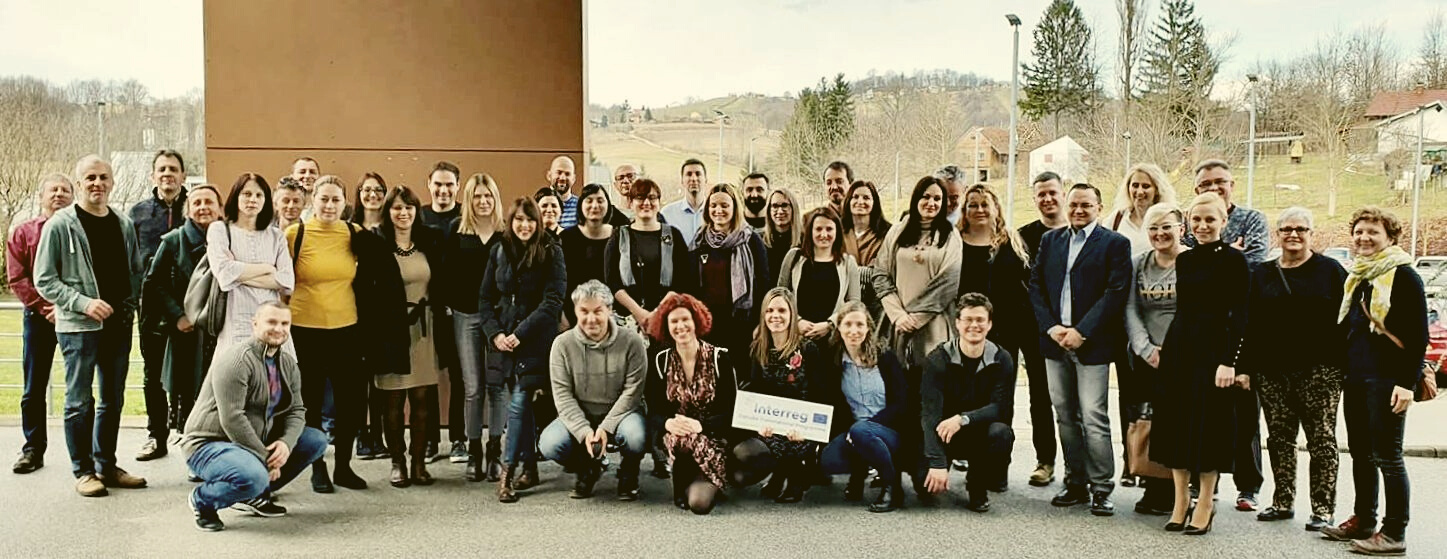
(979, 501)
(1203, 530)
(1071, 496)
(120, 479)
(1101, 505)
(29, 461)
(890, 498)
(89, 485)
(1379, 545)
(399, 477)
(1272, 514)
(151, 449)
(1142, 507)
(1317, 523)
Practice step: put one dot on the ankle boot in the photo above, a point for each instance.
(321, 482)
(343, 475)
(528, 479)
(505, 491)
(399, 477)
(796, 482)
(890, 497)
(420, 475)
(474, 461)
(854, 492)
(494, 459)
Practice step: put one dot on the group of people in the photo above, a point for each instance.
(573, 325)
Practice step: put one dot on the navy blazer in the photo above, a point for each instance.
(1099, 283)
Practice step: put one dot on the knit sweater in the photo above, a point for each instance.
(597, 383)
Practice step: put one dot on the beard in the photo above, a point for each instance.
(755, 204)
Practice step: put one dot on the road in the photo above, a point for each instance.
(45, 518)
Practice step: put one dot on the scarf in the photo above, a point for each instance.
(864, 247)
(1376, 269)
(625, 257)
(940, 293)
(741, 272)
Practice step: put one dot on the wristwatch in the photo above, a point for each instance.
(964, 420)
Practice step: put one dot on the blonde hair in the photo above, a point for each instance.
(869, 348)
(467, 224)
(1165, 193)
(796, 224)
(1209, 199)
(737, 222)
(1158, 211)
(763, 340)
(1000, 233)
(330, 179)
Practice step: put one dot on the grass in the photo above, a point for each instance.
(12, 374)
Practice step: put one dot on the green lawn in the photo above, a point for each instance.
(12, 376)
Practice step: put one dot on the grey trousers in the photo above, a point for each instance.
(1080, 395)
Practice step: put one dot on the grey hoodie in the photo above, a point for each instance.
(65, 271)
(597, 383)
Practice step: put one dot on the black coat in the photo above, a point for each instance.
(1098, 285)
(526, 302)
(718, 419)
(384, 340)
(986, 395)
(188, 354)
(896, 393)
(1006, 284)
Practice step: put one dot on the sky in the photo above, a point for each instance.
(653, 53)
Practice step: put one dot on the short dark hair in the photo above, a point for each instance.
(401, 192)
(1213, 164)
(305, 158)
(837, 165)
(692, 161)
(1047, 176)
(642, 187)
(233, 200)
(758, 176)
(288, 183)
(169, 153)
(975, 301)
(274, 304)
(1087, 186)
(444, 166)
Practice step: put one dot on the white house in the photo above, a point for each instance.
(1063, 156)
(1400, 131)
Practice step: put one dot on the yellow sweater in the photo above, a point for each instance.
(323, 297)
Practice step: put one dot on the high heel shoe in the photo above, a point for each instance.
(1194, 531)
(1180, 526)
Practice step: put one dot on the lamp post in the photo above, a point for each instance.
(100, 130)
(1251, 142)
(721, 117)
(751, 153)
(1126, 135)
(1417, 171)
(1014, 118)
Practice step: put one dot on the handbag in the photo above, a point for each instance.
(1426, 390)
(205, 301)
(1138, 446)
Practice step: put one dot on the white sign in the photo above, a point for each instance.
(754, 411)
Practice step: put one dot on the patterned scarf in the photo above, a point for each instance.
(742, 271)
(690, 396)
(1378, 270)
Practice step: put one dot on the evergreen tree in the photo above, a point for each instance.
(1180, 68)
(1064, 77)
(822, 123)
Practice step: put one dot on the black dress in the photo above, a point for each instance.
(1195, 422)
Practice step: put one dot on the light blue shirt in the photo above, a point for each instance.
(684, 218)
(863, 389)
(1077, 242)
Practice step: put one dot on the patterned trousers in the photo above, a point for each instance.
(1304, 398)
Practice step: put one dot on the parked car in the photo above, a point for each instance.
(1340, 254)
(1433, 270)
(1436, 332)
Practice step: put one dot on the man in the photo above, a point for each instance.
(597, 375)
(305, 171)
(1078, 288)
(442, 185)
(687, 214)
(967, 400)
(956, 182)
(623, 177)
(247, 436)
(756, 202)
(153, 217)
(1050, 203)
(1246, 231)
(89, 265)
(38, 324)
(290, 199)
(837, 178)
(561, 177)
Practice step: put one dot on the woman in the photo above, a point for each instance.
(647, 260)
(918, 275)
(466, 246)
(1194, 424)
(521, 299)
(870, 395)
(1385, 314)
(248, 258)
(993, 265)
(692, 384)
(1149, 308)
(865, 227)
(550, 207)
(1295, 353)
(733, 273)
(1145, 185)
(367, 206)
(348, 320)
(414, 250)
(585, 244)
(783, 363)
(783, 230)
(188, 348)
(829, 278)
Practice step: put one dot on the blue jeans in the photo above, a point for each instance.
(231, 474)
(557, 442)
(522, 431)
(38, 356)
(1081, 396)
(1374, 435)
(91, 428)
(866, 444)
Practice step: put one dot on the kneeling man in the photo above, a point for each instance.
(247, 435)
(597, 372)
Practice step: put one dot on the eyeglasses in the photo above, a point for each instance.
(377, 189)
(648, 198)
(1294, 230)
(1212, 184)
(1082, 206)
(1161, 228)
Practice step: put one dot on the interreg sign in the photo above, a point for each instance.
(754, 412)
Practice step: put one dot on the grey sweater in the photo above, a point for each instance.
(233, 400)
(65, 271)
(597, 383)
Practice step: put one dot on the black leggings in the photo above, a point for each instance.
(330, 354)
(691, 489)
(420, 417)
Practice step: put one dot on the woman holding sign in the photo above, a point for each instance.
(869, 393)
(692, 384)
(782, 360)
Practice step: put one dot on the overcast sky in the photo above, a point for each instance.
(652, 53)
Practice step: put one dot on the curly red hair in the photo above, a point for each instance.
(702, 320)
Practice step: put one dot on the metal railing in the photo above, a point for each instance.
(57, 365)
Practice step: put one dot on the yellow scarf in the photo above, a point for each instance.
(1378, 269)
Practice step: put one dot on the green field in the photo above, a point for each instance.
(11, 373)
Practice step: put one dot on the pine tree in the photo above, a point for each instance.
(1064, 77)
(822, 123)
(1180, 68)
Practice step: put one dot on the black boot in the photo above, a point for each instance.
(321, 481)
(494, 459)
(854, 492)
(343, 475)
(891, 497)
(474, 461)
(400, 477)
(796, 481)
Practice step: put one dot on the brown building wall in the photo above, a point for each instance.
(393, 86)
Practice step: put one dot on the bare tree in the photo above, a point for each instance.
(1133, 15)
(1431, 71)
(1372, 63)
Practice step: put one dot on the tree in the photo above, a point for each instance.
(1179, 69)
(1133, 15)
(647, 114)
(1064, 77)
(1431, 71)
(823, 122)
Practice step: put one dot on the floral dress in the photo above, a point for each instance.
(787, 376)
(709, 398)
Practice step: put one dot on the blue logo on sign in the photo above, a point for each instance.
(820, 419)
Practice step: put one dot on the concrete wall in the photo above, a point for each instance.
(392, 86)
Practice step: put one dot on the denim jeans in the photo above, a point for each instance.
(557, 442)
(467, 330)
(522, 430)
(91, 428)
(231, 474)
(38, 357)
(867, 444)
(1081, 396)
(1374, 435)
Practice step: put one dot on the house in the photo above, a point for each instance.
(1400, 131)
(1063, 156)
(986, 148)
(1385, 119)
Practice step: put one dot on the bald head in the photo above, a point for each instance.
(93, 180)
(561, 175)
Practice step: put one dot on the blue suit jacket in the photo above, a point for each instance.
(1099, 283)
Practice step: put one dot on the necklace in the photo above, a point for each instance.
(405, 252)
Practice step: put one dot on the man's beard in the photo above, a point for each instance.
(560, 187)
(755, 204)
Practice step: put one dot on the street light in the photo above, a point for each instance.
(100, 130)
(721, 117)
(1251, 141)
(1014, 118)
(751, 153)
(1417, 170)
(1126, 135)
